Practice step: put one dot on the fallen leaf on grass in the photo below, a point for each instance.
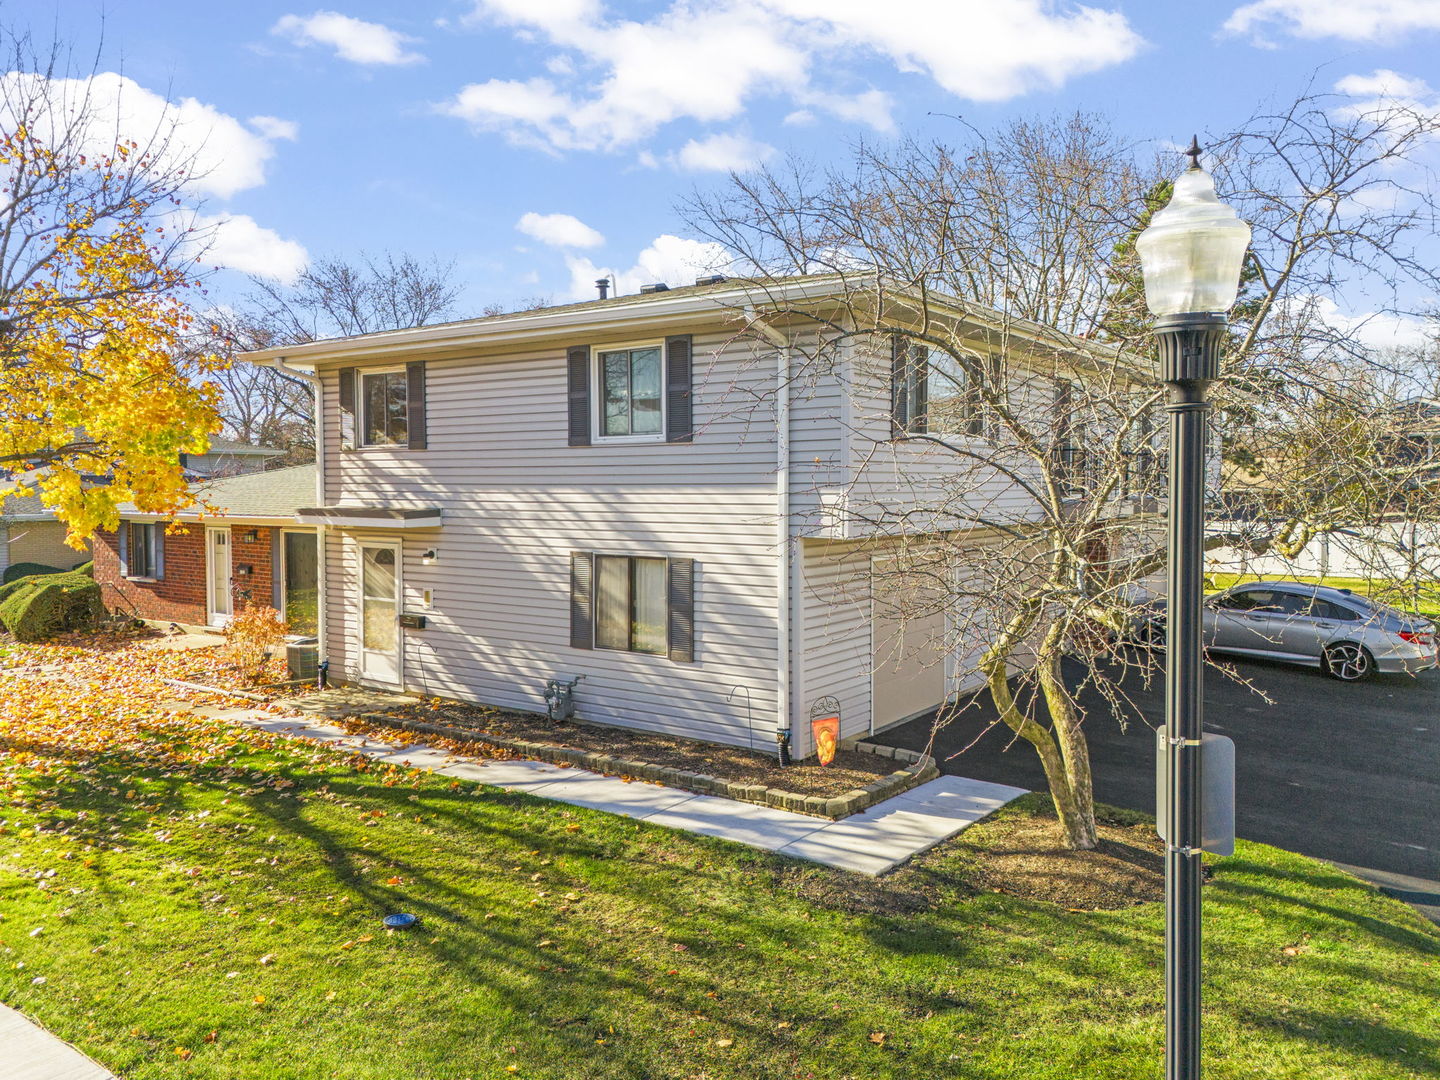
(268, 958)
(183, 1054)
(722, 1043)
(210, 1038)
(878, 1038)
(259, 999)
(394, 881)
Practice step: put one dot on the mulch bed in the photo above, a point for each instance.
(851, 769)
(1021, 854)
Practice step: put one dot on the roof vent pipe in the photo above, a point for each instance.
(710, 279)
(659, 286)
(603, 284)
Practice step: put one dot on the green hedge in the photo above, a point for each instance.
(27, 569)
(41, 606)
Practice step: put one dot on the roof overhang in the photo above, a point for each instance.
(369, 517)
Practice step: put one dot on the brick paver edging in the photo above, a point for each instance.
(918, 771)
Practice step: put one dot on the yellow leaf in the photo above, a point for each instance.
(259, 999)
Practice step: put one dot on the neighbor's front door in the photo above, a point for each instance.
(380, 612)
(218, 603)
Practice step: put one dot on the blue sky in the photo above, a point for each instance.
(540, 143)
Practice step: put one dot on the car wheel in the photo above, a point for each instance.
(1348, 661)
(1152, 636)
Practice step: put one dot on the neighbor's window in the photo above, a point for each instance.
(142, 557)
(630, 392)
(383, 398)
(630, 604)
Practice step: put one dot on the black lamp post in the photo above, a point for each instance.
(1191, 256)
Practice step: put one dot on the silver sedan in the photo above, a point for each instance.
(1347, 635)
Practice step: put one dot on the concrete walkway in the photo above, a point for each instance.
(872, 842)
(29, 1052)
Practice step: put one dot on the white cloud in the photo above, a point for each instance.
(1349, 20)
(705, 63)
(722, 153)
(559, 230)
(671, 259)
(237, 242)
(1377, 330)
(353, 39)
(272, 127)
(222, 156)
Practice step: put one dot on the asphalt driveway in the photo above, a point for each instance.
(1344, 772)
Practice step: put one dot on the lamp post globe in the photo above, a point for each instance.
(1191, 255)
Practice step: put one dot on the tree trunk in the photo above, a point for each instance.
(1074, 752)
(1074, 803)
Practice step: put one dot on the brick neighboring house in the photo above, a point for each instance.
(198, 568)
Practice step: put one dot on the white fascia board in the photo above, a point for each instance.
(520, 328)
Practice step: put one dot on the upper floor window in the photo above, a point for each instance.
(933, 392)
(384, 406)
(631, 397)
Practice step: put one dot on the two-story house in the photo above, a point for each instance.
(649, 491)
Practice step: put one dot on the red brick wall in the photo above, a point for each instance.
(258, 587)
(180, 595)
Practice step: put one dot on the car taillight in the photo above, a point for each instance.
(1417, 637)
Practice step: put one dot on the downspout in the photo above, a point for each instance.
(322, 648)
(784, 731)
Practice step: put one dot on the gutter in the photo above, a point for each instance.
(784, 558)
(322, 647)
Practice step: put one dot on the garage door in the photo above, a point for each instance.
(907, 676)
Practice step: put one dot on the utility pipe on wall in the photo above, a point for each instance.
(784, 732)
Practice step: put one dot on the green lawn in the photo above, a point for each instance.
(1427, 603)
(235, 889)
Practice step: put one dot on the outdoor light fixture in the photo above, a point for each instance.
(251, 537)
(428, 556)
(1191, 256)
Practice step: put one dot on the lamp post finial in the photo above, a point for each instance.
(1194, 152)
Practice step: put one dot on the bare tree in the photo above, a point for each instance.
(1005, 412)
(332, 298)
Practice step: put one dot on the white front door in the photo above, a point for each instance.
(380, 612)
(218, 604)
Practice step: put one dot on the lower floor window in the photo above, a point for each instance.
(143, 557)
(630, 608)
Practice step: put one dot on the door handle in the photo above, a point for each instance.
(1326, 625)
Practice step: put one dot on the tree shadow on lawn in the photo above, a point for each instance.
(665, 921)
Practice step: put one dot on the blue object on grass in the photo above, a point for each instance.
(401, 922)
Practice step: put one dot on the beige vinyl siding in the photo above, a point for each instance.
(37, 542)
(835, 659)
(516, 500)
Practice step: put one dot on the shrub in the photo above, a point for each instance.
(49, 604)
(86, 568)
(27, 569)
(252, 636)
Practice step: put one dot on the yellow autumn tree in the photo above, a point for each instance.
(99, 395)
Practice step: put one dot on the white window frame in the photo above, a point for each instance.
(597, 392)
(156, 539)
(362, 408)
(595, 557)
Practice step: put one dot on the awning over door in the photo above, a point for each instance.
(370, 517)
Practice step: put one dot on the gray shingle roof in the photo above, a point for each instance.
(278, 493)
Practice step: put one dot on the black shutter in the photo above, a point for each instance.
(582, 619)
(899, 387)
(578, 368)
(415, 403)
(920, 373)
(348, 431)
(679, 383)
(680, 588)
